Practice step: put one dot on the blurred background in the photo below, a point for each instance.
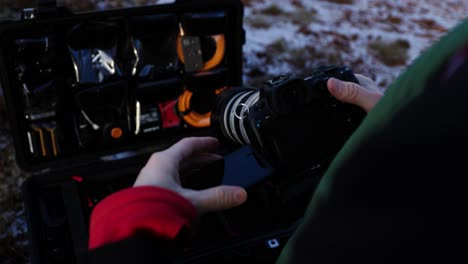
(377, 38)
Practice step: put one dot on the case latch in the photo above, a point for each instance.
(43, 9)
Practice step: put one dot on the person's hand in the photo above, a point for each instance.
(366, 95)
(165, 168)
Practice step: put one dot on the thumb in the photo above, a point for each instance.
(218, 198)
(353, 93)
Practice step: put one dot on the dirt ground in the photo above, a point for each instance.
(377, 38)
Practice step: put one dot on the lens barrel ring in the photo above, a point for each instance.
(231, 112)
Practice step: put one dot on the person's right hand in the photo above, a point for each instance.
(165, 168)
(366, 95)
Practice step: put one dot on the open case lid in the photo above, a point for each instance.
(80, 87)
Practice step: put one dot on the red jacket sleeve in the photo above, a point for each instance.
(159, 211)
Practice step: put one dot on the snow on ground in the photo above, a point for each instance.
(376, 38)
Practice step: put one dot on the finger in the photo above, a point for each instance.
(198, 161)
(217, 198)
(353, 93)
(188, 147)
(367, 83)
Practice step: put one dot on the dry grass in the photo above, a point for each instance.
(347, 2)
(258, 21)
(10, 252)
(392, 53)
(264, 18)
(272, 10)
(13, 248)
(302, 17)
(250, 2)
(300, 61)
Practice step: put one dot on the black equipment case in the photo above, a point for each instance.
(91, 95)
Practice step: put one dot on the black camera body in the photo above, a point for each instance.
(294, 123)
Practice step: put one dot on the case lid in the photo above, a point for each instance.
(86, 88)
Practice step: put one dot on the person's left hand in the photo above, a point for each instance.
(365, 95)
(165, 168)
